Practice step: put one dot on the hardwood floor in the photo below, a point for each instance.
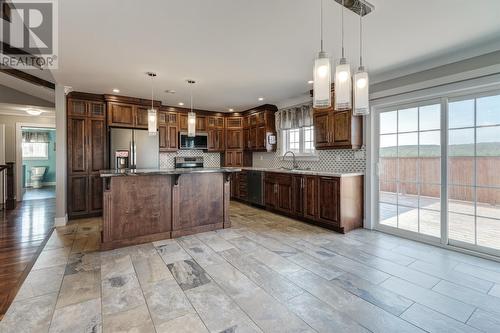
(23, 233)
(267, 273)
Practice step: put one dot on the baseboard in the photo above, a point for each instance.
(61, 221)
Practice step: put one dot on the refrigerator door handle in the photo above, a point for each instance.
(131, 162)
(135, 155)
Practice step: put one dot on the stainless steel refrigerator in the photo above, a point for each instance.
(144, 150)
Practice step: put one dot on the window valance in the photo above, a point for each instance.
(35, 137)
(294, 117)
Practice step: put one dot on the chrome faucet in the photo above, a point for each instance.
(294, 162)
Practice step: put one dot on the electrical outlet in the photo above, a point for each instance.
(338, 158)
(261, 157)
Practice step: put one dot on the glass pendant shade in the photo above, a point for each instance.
(361, 97)
(322, 97)
(152, 122)
(191, 124)
(343, 86)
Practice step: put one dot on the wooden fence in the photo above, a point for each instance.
(460, 173)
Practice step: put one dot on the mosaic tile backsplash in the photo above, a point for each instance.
(211, 160)
(340, 160)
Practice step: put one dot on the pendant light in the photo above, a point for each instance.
(191, 114)
(343, 83)
(322, 73)
(361, 81)
(152, 116)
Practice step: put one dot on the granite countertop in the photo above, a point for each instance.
(134, 172)
(307, 172)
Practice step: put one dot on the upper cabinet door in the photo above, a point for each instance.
(162, 118)
(162, 135)
(201, 124)
(141, 117)
(121, 115)
(342, 128)
(260, 134)
(97, 146)
(183, 122)
(172, 118)
(234, 122)
(321, 129)
(77, 108)
(77, 146)
(172, 137)
(234, 139)
(97, 110)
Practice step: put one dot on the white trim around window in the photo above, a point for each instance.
(300, 141)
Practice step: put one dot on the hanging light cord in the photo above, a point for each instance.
(360, 33)
(191, 96)
(152, 94)
(321, 20)
(342, 28)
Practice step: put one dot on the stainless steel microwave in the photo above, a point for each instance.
(200, 141)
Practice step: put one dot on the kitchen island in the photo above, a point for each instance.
(145, 205)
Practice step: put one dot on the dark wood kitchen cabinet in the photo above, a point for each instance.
(87, 153)
(201, 123)
(235, 155)
(168, 131)
(278, 192)
(310, 195)
(216, 140)
(141, 114)
(233, 158)
(259, 125)
(234, 139)
(128, 112)
(298, 195)
(337, 129)
(270, 193)
(216, 137)
(332, 202)
(234, 133)
(328, 200)
(215, 121)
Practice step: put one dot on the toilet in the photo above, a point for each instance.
(37, 176)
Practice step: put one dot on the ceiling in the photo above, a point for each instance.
(239, 50)
(10, 109)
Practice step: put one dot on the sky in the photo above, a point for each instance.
(462, 115)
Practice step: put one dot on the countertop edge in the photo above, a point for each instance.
(307, 172)
(145, 172)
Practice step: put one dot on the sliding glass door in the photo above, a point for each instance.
(409, 169)
(474, 172)
(439, 171)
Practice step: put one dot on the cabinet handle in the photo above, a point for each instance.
(302, 182)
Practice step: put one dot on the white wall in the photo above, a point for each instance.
(10, 131)
(61, 155)
(2, 161)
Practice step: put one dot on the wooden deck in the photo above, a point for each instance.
(461, 217)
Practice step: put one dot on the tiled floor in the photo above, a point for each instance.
(268, 273)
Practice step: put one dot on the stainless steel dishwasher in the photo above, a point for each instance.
(255, 180)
